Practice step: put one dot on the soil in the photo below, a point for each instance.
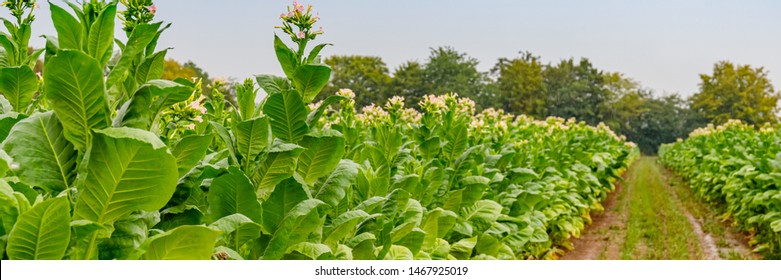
(604, 237)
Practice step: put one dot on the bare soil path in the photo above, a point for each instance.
(652, 214)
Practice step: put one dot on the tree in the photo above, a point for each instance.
(736, 92)
(519, 85)
(409, 82)
(447, 70)
(651, 121)
(577, 91)
(366, 76)
(172, 69)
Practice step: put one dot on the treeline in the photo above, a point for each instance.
(568, 88)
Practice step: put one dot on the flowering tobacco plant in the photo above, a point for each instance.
(738, 167)
(137, 12)
(287, 178)
(303, 21)
(19, 83)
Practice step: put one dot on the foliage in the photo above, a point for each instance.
(138, 167)
(519, 85)
(739, 168)
(367, 76)
(736, 92)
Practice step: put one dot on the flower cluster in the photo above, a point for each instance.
(373, 114)
(303, 20)
(729, 125)
(410, 115)
(465, 106)
(18, 9)
(137, 12)
(395, 103)
(432, 103)
(346, 92)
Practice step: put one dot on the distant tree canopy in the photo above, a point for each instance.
(520, 86)
(366, 76)
(568, 88)
(172, 69)
(736, 92)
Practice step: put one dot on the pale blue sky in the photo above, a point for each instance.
(664, 45)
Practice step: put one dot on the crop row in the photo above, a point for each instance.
(101, 159)
(738, 168)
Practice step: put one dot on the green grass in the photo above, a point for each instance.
(708, 215)
(657, 227)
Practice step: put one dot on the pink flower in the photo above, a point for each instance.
(152, 9)
(282, 15)
(301, 34)
(190, 126)
(198, 118)
(290, 14)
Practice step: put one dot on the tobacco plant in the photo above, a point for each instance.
(737, 168)
(108, 161)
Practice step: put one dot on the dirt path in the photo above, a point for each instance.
(654, 215)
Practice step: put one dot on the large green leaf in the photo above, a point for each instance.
(308, 251)
(343, 225)
(128, 234)
(233, 193)
(45, 158)
(284, 198)
(397, 252)
(323, 151)
(126, 169)
(236, 229)
(462, 249)
(100, 42)
(286, 56)
(190, 150)
(18, 84)
(298, 223)
(141, 36)
(7, 121)
(182, 243)
(280, 164)
(42, 233)
(147, 102)
(336, 184)
(252, 138)
(288, 116)
(310, 80)
(74, 87)
(151, 68)
(273, 84)
(8, 56)
(69, 31)
(478, 217)
(456, 142)
(9, 208)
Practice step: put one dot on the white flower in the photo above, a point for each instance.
(198, 119)
(346, 92)
(396, 102)
(190, 126)
(314, 106)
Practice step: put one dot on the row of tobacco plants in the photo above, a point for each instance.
(101, 159)
(737, 168)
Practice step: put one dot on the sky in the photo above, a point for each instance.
(663, 45)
